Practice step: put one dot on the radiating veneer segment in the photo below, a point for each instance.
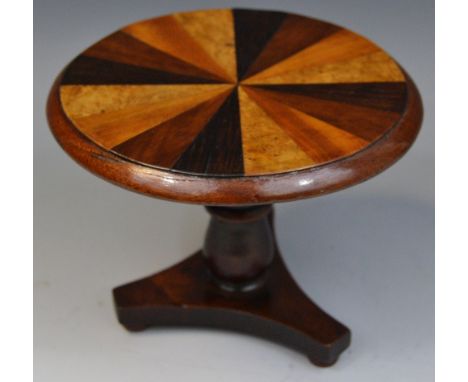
(213, 30)
(338, 47)
(321, 141)
(115, 126)
(217, 150)
(86, 70)
(253, 30)
(163, 144)
(168, 35)
(84, 100)
(123, 48)
(363, 122)
(266, 147)
(386, 96)
(374, 67)
(293, 35)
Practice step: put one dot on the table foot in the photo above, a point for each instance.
(186, 295)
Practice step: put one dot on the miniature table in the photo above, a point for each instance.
(234, 110)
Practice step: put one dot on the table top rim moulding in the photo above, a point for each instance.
(349, 156)
(226, 191)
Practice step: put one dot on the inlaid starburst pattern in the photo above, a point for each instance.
(233, 92)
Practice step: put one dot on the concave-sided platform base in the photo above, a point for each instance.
(185, 295)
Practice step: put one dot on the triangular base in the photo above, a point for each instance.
(185, 295)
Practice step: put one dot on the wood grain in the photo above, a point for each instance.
(245, 190)
(185, 294)
(112, 127)
(374, 67)
(367, 123)
(84, 100)
(267, 148)
(319, 95)
(389, 96)
(321, 141)
(85, 70)
(168, 35)
(217, 150)
(123, 48)
(294, 34)
(164, 144)
(340, 46)
(322, 110)
(253, 29)
(214, 31)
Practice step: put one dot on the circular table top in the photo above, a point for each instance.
(234, 107)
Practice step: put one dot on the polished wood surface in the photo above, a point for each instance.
(247, 289)
(239, 246)
(263, 135)
(268, 93)
(213, 30)
(247, 190)
(235, 110)
(113, 124)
